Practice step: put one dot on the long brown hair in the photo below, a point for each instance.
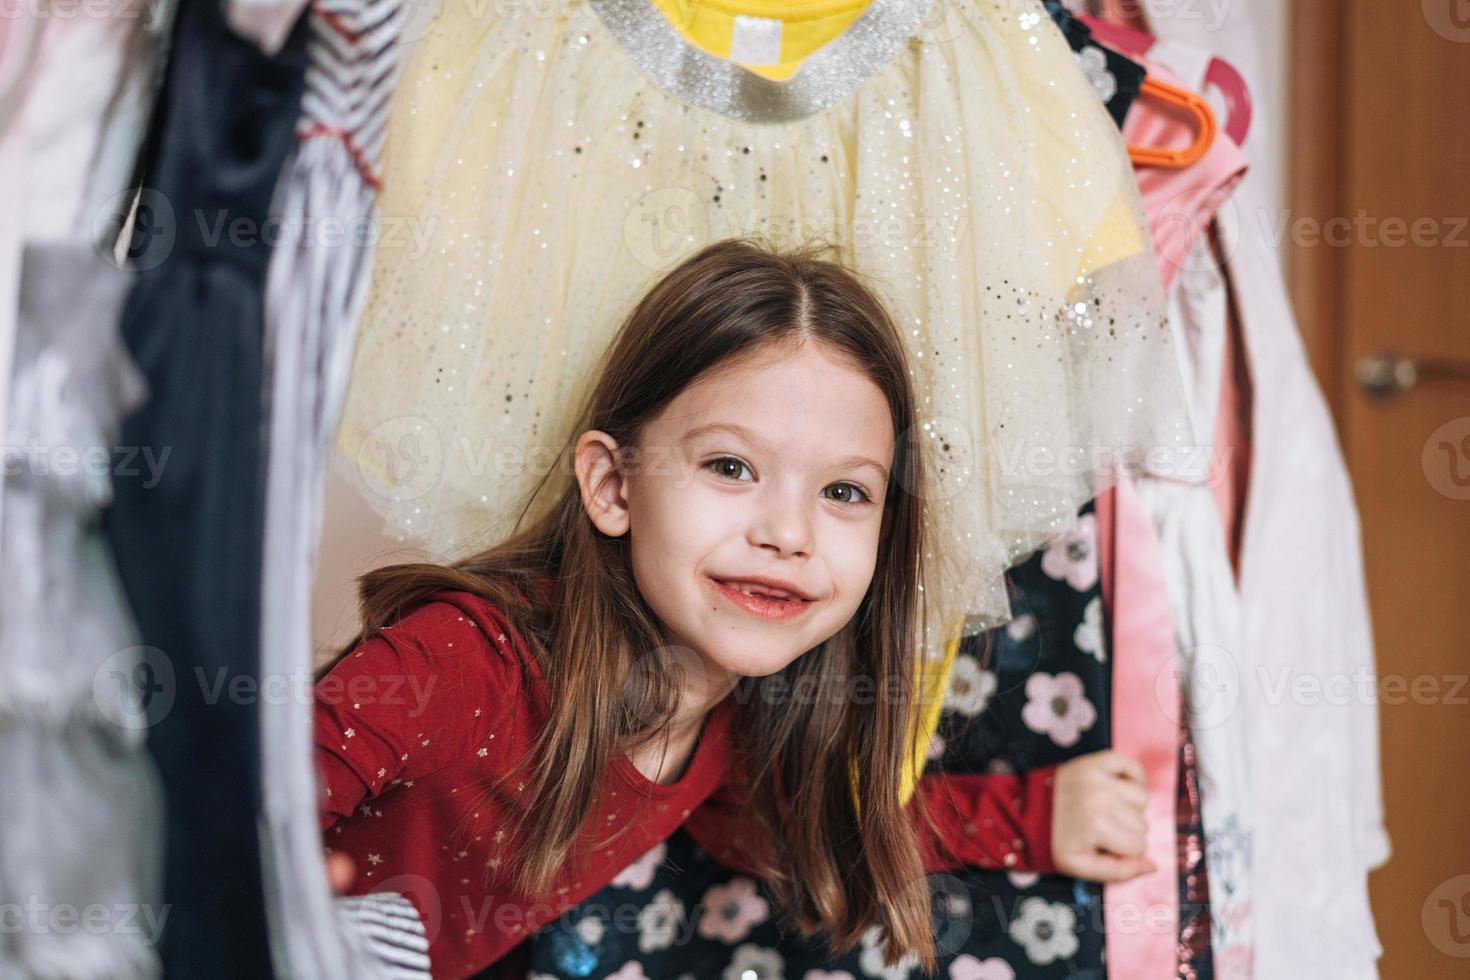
(833, 867)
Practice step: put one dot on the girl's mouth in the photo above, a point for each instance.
(768, 608)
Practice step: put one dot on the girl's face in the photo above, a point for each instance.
(774, 470)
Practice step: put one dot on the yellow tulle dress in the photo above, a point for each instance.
(545, 162)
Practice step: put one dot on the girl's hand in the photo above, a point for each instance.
(1097, 829)
(340, 872)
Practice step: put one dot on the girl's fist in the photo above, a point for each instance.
(1098, 831)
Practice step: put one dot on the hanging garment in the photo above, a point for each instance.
(1181, 505)
(1303, 609)
(189, 545)
(80, 820)
(313, 296)
(1180, 203)
(1193, 587)
(1318, 805)
(1146, 708)
(623, 148)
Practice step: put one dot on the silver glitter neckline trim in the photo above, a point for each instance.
(827, 76)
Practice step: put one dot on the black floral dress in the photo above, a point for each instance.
(1031, 694)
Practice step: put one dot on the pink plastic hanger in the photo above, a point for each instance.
(1220, 73)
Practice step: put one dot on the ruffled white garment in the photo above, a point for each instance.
(545, 166)
(80, 815)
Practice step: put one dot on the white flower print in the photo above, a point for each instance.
(871, 960)
(659, 922)
(1089, 633)
(970, 686)
(1022, 628)
(1072, 555)
(1057, 707)
(967, 967)
(639, 874)
(752, 962)
(1045, 930)
(827, 975)
(591, 930)
(729, 911)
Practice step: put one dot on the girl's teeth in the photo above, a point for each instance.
(765, 595)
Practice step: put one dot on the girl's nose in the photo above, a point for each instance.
(783, 523)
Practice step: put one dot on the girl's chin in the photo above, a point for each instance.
(748, 663)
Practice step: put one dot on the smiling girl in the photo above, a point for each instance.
(737, 561)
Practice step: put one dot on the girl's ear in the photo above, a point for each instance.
(603, 483)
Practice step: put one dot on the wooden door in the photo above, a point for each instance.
(1381, 279)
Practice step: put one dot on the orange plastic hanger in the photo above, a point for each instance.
(1205, 128)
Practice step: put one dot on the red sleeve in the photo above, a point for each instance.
(984, 821)
(987, 821)
(408, 701)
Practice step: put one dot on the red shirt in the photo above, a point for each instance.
(410, 727)
(414, 724)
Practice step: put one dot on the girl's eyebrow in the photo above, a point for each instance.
(740, 431)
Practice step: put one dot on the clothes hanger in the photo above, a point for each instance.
(1220, 74)
(1197, 108)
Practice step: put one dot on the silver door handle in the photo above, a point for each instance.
(1384, 374)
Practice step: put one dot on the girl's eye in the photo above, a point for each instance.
(856, 494)
(728, 466)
